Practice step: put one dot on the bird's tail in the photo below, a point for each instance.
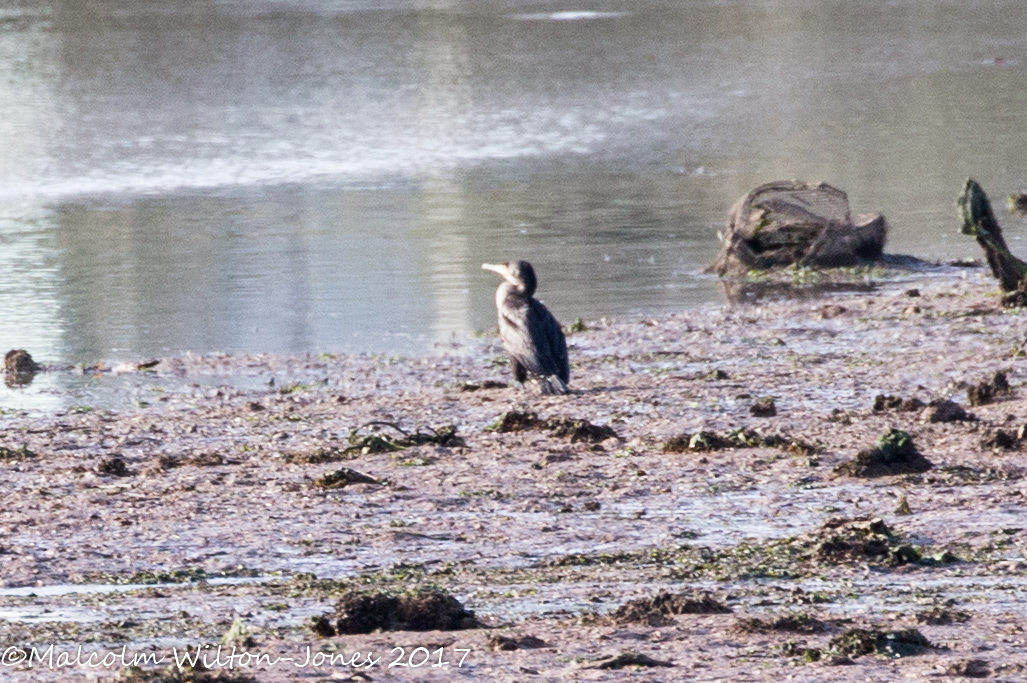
(551, 384)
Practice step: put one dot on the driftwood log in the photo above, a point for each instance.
(794, 223)
(979, 220)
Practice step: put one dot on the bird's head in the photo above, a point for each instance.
(520, 274)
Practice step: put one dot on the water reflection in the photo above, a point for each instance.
(325, 176)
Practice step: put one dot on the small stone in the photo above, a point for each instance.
(831, 311)
(113, 466)
(628, 659)
(969, 668)
(763, 407)
(941, 410)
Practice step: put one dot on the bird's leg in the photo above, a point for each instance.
(520, 373)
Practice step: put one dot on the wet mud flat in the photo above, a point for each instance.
(828, 489)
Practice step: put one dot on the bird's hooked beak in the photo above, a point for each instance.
(501, 268)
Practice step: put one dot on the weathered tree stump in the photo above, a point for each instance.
(979, 220)
(794, 223)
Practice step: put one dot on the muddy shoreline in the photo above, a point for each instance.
(158, 526)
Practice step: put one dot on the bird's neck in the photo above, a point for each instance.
(511, 293)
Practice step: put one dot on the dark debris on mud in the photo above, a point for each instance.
(656, 610)
(943, 410)
(988, 391)
(340, 478)
(629, 658)
(787, 623)
(377, 437)
(427, 610)
(857, 642)
(706, 441)
(501, 643)
(764, 407)
(894, 453)
(574, 429)
(883, 402)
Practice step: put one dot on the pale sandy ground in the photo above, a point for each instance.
(538, 535)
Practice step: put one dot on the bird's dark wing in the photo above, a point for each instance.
(550, 344)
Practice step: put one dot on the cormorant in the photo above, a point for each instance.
(530, 333)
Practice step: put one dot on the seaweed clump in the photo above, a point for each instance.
(943, 410)
(343, 477)
(857, 642)
(380, 441)
(764, 407)
(841, 540)
(942, 616)
(378, 437)
(895, 453)
(577, 430)
(1000, 440)
(884, 402)
(656, 611)
(115, 467)
(428, 610)
(987, 391)
(22, 453)
(705, 441)
(788, 623)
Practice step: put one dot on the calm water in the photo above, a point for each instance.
(325, 176)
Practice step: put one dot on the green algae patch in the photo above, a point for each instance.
(576, 326)
(22, 453)
(190, 575)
